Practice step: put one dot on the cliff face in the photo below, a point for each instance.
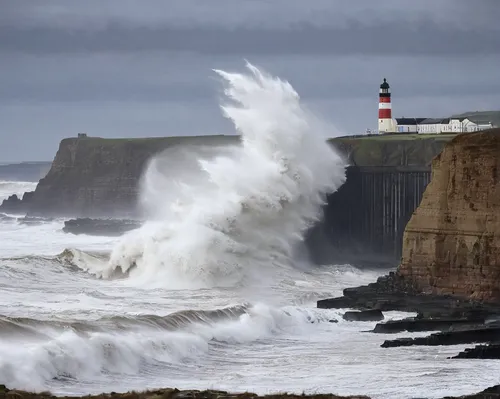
(451, 244)
(99, 177)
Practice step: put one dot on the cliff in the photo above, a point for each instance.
(99, 177)
(451, 245)
(391, 150)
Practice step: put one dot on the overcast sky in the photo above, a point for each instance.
(123, 68)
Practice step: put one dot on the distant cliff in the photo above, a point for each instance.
(99, 177)
(451, 244)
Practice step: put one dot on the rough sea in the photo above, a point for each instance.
(216, 290)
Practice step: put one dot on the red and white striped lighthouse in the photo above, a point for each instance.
(385, 123)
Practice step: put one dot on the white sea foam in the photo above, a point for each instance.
(66, 353)
(243, 210)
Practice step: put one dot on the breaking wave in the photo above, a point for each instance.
(245, 208)
(136, 345)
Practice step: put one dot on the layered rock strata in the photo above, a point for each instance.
(451, 245)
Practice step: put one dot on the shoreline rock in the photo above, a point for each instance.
(174, 393)
(475, 335)
(100, 227)
(16, 205)
(395, 293)
(491, 351)
(459, 320)
(364, 315)
(415, 324)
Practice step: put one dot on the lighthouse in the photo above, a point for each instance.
(385, 122)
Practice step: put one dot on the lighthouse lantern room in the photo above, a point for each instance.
(385, 122)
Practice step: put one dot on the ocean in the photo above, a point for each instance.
(215, 291)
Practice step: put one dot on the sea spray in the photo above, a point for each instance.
(248, 207)
(103, 350)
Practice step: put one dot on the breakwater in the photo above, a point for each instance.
(365, 219)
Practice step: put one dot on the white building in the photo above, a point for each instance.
(408, 125)
(457, 124)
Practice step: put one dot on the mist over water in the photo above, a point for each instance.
(239, 211)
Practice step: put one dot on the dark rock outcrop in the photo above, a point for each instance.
(14, 204)
(425, 324)
(100, 227)
(476, 335)
(364, 315)
(393, 292)
(491, 351)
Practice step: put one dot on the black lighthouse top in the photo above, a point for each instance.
(384, 85)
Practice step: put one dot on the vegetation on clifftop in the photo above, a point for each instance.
(392, 150)
(367, 150)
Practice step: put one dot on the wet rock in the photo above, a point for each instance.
(393, 292)
(420, 324)
(100, 227)
(14, 204)
(491, 351)
(364, 315)
(475, 335)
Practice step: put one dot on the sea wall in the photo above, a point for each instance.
(451, 244)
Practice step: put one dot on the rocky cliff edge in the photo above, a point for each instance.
(451, 244)
(99, 177)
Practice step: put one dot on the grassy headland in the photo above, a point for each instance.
(398, 149)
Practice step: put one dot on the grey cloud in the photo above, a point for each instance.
(254, 27)
(424, 39)
(262, 14)
(158, 77)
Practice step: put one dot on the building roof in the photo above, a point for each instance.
(434, 121)
(409, 121)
